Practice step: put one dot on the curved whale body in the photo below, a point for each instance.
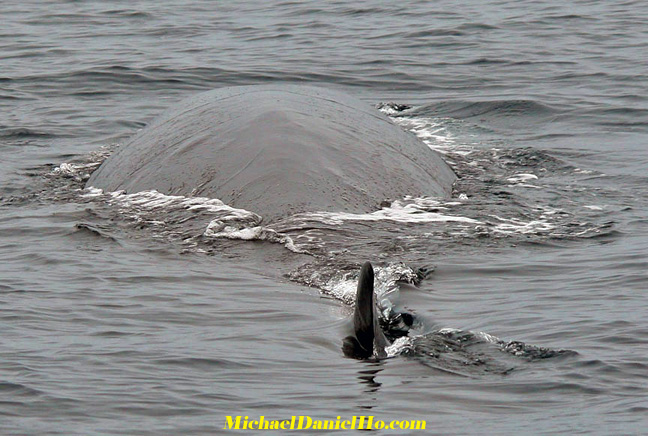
(277, 150)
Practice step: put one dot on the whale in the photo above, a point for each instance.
(277, 150)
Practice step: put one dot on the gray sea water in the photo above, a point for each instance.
(122, 315)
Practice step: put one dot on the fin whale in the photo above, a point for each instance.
(368, 338)
(277, 150)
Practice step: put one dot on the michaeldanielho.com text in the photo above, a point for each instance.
(308, 423)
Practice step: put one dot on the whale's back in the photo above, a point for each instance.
(277, 150)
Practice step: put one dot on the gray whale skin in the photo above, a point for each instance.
(277, 150)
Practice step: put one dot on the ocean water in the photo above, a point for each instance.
(145, 314)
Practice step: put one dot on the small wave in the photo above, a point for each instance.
(434, 132)
(89, 229)
(202, 363)
(153, 200)
(19, 389)
(457, 350)
(550, 18)
(153, 208)
(22, 132)
(500, 191)
(434, 32)
(470, 109)
(125, 13)
(77, 171)
(340, 282)
(522, 177)
(391, 108)
(477, 26)
(80, 171)
(511, 225)
(487, 61)
(220, 228)
(408, 210)
(421, 211)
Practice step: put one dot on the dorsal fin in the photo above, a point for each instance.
(361, 346)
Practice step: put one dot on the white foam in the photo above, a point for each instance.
(525, 185)
(431, 130)
(398, 346)
(80, 171)
(414, 211)
(153, 200)
(511, 225)
(219, 229)
(76, 171)
(449, 330)
(388, 109)
(229, 222)
(522, 177)
(343, 286)
(92, 192)
(487, 337)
